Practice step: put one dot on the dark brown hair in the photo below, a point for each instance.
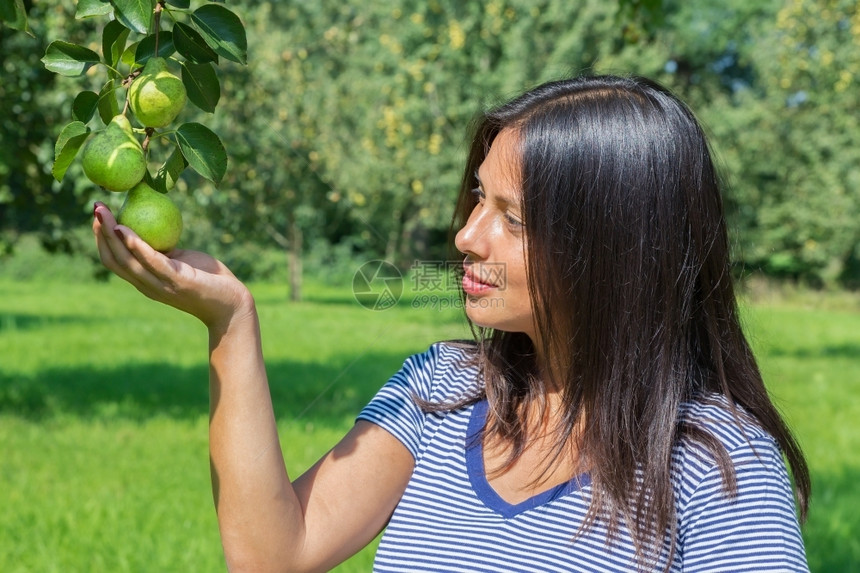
(630, 278)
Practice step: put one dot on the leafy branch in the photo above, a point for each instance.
(196, 39)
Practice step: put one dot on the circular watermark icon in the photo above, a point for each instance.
(377, 285)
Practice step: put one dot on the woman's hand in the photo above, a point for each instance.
(190, 281)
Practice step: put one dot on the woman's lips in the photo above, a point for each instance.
(473, 286)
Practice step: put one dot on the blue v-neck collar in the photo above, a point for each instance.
(478, 474)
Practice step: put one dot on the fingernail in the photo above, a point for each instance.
(119, 234)
(97, 214)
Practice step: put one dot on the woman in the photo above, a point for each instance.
(610, 415)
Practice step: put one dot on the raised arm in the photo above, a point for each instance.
(267, 522)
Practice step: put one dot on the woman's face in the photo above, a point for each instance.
(494, 242)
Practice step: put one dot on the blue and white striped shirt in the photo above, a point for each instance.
(450, 519)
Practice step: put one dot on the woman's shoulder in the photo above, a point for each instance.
(445, 371)
(730, 478)
(445, 356)
(728, 422)
(712, 420)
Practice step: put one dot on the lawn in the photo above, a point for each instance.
(103, 413)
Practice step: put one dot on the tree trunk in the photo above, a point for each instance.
(394, 236)
(295, 261)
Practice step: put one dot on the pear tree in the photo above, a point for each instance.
(144, 45)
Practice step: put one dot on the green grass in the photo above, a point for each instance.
(104, 406)
(810, 358)
(103, 414)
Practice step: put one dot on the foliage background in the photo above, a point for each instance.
(346, 131)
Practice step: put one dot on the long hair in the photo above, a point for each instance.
(629, 274)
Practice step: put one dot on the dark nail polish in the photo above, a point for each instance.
(98, 215)
(119, 234)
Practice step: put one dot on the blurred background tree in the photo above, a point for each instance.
(794, 144)
(347, 130)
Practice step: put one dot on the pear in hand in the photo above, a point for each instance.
(156, 96)
(114, 158)
(153, 216)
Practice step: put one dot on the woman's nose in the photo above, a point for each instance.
(471, 239)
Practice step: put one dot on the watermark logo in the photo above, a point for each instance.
(377, 285)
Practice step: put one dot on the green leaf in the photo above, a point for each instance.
(203, 150)
(191, 44)
(134, 14)
(72, 137)
(69, 59)
(91, 8)
(179, 3)
(85, 105)
(113, 42)
(14, 14)
(222, 30)
(146, 47)
(168, 174)
(127, 57)
(108, 106)
(201, 85)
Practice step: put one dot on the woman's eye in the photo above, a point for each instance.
(478, 194)
(513, 221)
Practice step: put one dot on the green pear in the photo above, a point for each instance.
(156, 96)
(113, 158)
(153, 216)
